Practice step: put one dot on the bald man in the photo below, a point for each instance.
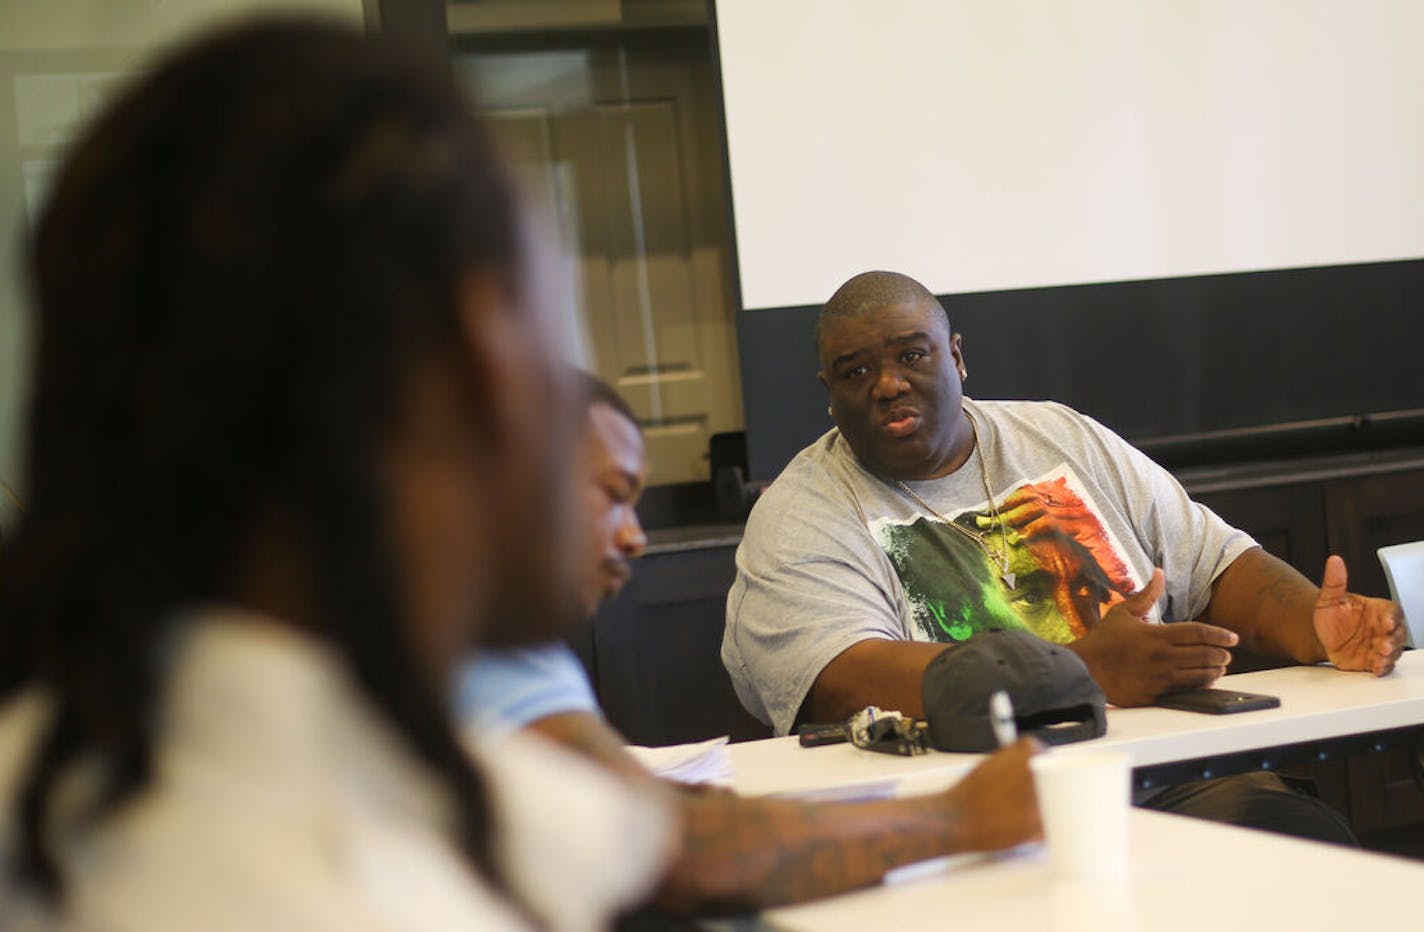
(925, 517)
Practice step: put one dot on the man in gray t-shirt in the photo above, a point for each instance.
(924, 517)
(836, 554)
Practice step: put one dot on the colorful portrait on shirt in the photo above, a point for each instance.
(1048, 565)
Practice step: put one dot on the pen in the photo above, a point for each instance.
(1001, 716)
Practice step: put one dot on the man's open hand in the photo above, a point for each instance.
(1358, 633)
(1134, 661)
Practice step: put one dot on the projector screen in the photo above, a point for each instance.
(985, 145)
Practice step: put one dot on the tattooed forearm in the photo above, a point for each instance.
(1270, 605)
(1284, 589)
(746, 854)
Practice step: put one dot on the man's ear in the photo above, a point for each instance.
(821, 377)
(519, 401)
(508, 365)
(486, 349)
(523, 394)
(956, 349)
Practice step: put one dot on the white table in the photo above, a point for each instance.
(1184, 874)
(1316, 703)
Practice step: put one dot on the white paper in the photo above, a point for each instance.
(703, 762)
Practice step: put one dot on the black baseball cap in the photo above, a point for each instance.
(1054, 698)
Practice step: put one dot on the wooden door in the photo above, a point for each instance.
(618, 146)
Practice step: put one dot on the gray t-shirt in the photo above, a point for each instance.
(834, 555)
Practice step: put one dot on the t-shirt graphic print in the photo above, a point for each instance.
(1065, 565)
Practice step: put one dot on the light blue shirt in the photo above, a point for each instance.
(507, 689)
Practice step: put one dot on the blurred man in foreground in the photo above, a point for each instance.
(295, 438)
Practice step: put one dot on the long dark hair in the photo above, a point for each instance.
(238, 266)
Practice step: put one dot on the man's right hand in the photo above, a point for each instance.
(998, 806)
(1134, 661)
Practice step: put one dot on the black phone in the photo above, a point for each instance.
(1216, 701)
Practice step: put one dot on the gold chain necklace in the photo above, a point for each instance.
(1000, 559)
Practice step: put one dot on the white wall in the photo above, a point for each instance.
(59, 61)
(993, 144)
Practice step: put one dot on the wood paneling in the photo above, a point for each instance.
(655, 653)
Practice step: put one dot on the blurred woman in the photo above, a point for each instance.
(292, 437)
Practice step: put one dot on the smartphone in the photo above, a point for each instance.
(1216, 701)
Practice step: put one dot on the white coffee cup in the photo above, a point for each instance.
(1084, 797)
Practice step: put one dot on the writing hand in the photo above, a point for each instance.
(997, 802)
(1357, 632)
(1134, 661)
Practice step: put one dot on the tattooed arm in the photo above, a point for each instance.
(740, 855)
(1277, 611)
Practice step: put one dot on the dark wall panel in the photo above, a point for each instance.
(654, 653)
(1152, 359)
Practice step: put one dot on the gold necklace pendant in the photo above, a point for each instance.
(999, 559)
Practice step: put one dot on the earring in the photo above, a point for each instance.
(829, 412)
